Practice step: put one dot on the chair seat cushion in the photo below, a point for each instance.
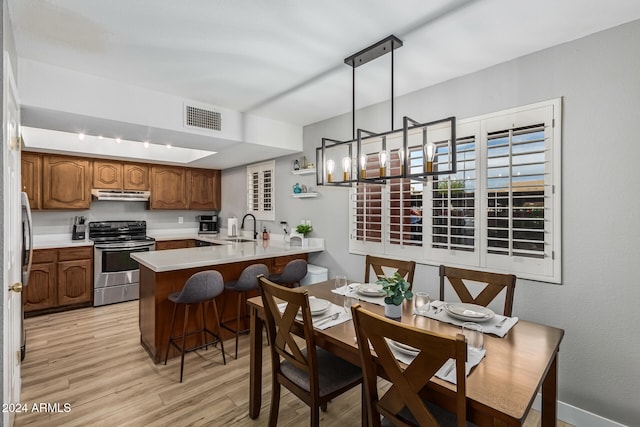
(334, 373)
(444, 417)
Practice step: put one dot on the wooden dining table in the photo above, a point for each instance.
(500, 390)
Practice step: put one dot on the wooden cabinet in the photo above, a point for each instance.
(65, 182)
(59, 278)
(31, 175)
(175, 244)
(204, 189)
(113, 175)
(168, 188)
(136, 176)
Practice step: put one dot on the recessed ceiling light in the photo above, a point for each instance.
(99, 136)
(81, 136)
(168, 146)
(146, 144)
(118, 140)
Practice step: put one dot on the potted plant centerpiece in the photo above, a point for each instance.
(396, 289)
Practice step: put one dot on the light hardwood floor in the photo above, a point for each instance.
(92, 359)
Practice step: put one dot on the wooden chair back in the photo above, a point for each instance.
(405, 268)
(495, 283)
(280, 327)
(407, 383)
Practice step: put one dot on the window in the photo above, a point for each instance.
(500, 211)
(260, 190)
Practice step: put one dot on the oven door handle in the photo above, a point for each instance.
(121, 248)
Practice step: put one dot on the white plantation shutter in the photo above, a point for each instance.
(260, 190)
(499, 212)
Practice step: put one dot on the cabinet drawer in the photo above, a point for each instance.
(69, 254)
(41, 256)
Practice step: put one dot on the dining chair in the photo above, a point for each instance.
(494, 284)
(314, 375)
(402, 404)
(405, 268)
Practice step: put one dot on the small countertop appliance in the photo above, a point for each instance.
(207, 224)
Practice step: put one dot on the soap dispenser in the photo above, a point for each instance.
(265, 234)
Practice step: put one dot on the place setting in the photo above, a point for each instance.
(459, 312)
(324, 314)
(368, 292)
(475, 352)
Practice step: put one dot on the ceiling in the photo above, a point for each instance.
(284, 59)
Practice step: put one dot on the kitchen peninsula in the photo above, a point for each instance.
(165, 272)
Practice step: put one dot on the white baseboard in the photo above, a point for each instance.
(579, 417)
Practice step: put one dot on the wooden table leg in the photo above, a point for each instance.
(255, 364)
(550, 395)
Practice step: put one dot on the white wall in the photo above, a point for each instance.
(596, 304)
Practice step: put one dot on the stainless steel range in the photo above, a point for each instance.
(116, 275)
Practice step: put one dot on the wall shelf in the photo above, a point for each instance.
(303, 171)
(304, 195)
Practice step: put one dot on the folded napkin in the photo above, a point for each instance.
(352, 291)
(437, 311)
(325, 320)
(448, 371)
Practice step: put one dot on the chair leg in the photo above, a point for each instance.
(238, 321)
(275, 402)
(204, 325)
(173, 319)
(315, 416)
(218, 329)
(184, 338)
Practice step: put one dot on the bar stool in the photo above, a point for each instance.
(292, 274)
(198, 290)
(247, 281)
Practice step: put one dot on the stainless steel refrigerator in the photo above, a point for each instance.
(27, 256)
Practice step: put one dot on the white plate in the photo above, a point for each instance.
(469, 312)
(403, 348)
(318, 306)
(370, 290)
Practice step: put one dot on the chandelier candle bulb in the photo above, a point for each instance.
(346, 168)
(331, 165)
(429, 154)
(383, 156)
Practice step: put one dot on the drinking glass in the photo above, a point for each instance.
(341, 282)
(422, 302)
(349, 300)
(475, 337)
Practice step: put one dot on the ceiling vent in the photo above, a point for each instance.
(202, 118)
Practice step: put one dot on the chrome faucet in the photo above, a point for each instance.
(255, 231)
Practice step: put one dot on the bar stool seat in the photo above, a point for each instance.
(292, 274)
(198, 290)
(247, 281)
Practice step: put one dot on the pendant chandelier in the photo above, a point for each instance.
(416, 151)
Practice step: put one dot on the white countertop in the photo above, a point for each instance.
(49, 241)
(180, 259)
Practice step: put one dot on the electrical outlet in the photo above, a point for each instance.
(180, 219)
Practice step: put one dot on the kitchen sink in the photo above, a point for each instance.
(238, 240)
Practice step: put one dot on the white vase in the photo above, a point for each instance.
(393, 311)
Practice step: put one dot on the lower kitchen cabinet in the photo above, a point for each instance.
(175, 244)
(59, 279)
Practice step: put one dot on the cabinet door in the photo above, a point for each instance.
(168, 188)
(201, 189)
(107, 175)
(75, 281)
(136, 177)
(66, 183)
(31, 177)
(40, 291)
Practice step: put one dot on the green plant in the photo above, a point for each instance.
(304, 229)
(396, 288)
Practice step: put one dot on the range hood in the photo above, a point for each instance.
(120, 195)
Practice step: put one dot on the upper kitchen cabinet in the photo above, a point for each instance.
(66, 182)
(31, 177)
(168, 188)
(114, 175)
(204, 189)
